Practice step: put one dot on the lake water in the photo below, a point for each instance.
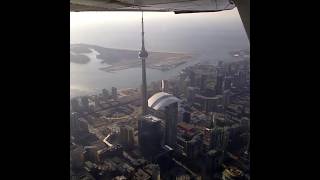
(209, 36)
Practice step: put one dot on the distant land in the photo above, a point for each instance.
(119, 59)
(79, 58)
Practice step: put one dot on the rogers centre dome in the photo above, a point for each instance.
(161, 99)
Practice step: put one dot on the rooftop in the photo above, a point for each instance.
(141, 175)
(232, 172)
(151, 118)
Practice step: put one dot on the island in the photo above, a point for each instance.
(119, 59)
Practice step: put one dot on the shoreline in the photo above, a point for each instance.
(121, 59)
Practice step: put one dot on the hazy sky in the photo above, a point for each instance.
(86, 18)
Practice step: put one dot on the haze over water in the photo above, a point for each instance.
(210, 36)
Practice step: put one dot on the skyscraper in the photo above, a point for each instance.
(220, 138)
(74, 122)
(114, 93)
(105, 93)
(150, 135)
(85, 103)
(171, 117)
(203, 81)
(226, 97)
(143, 54)
(192, 77)
(242, 77)
(164, 85)
(77, 127)
(75, 105)
(219, 84)
(227, 82)
(214, 159)
(126, 136)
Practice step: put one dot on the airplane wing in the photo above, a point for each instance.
(244, 11)
(150, 5)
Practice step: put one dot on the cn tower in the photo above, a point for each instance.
(143, 54)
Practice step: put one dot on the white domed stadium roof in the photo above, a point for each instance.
(161, 99)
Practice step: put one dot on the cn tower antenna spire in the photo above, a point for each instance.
(142, 32)
(143, 54)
